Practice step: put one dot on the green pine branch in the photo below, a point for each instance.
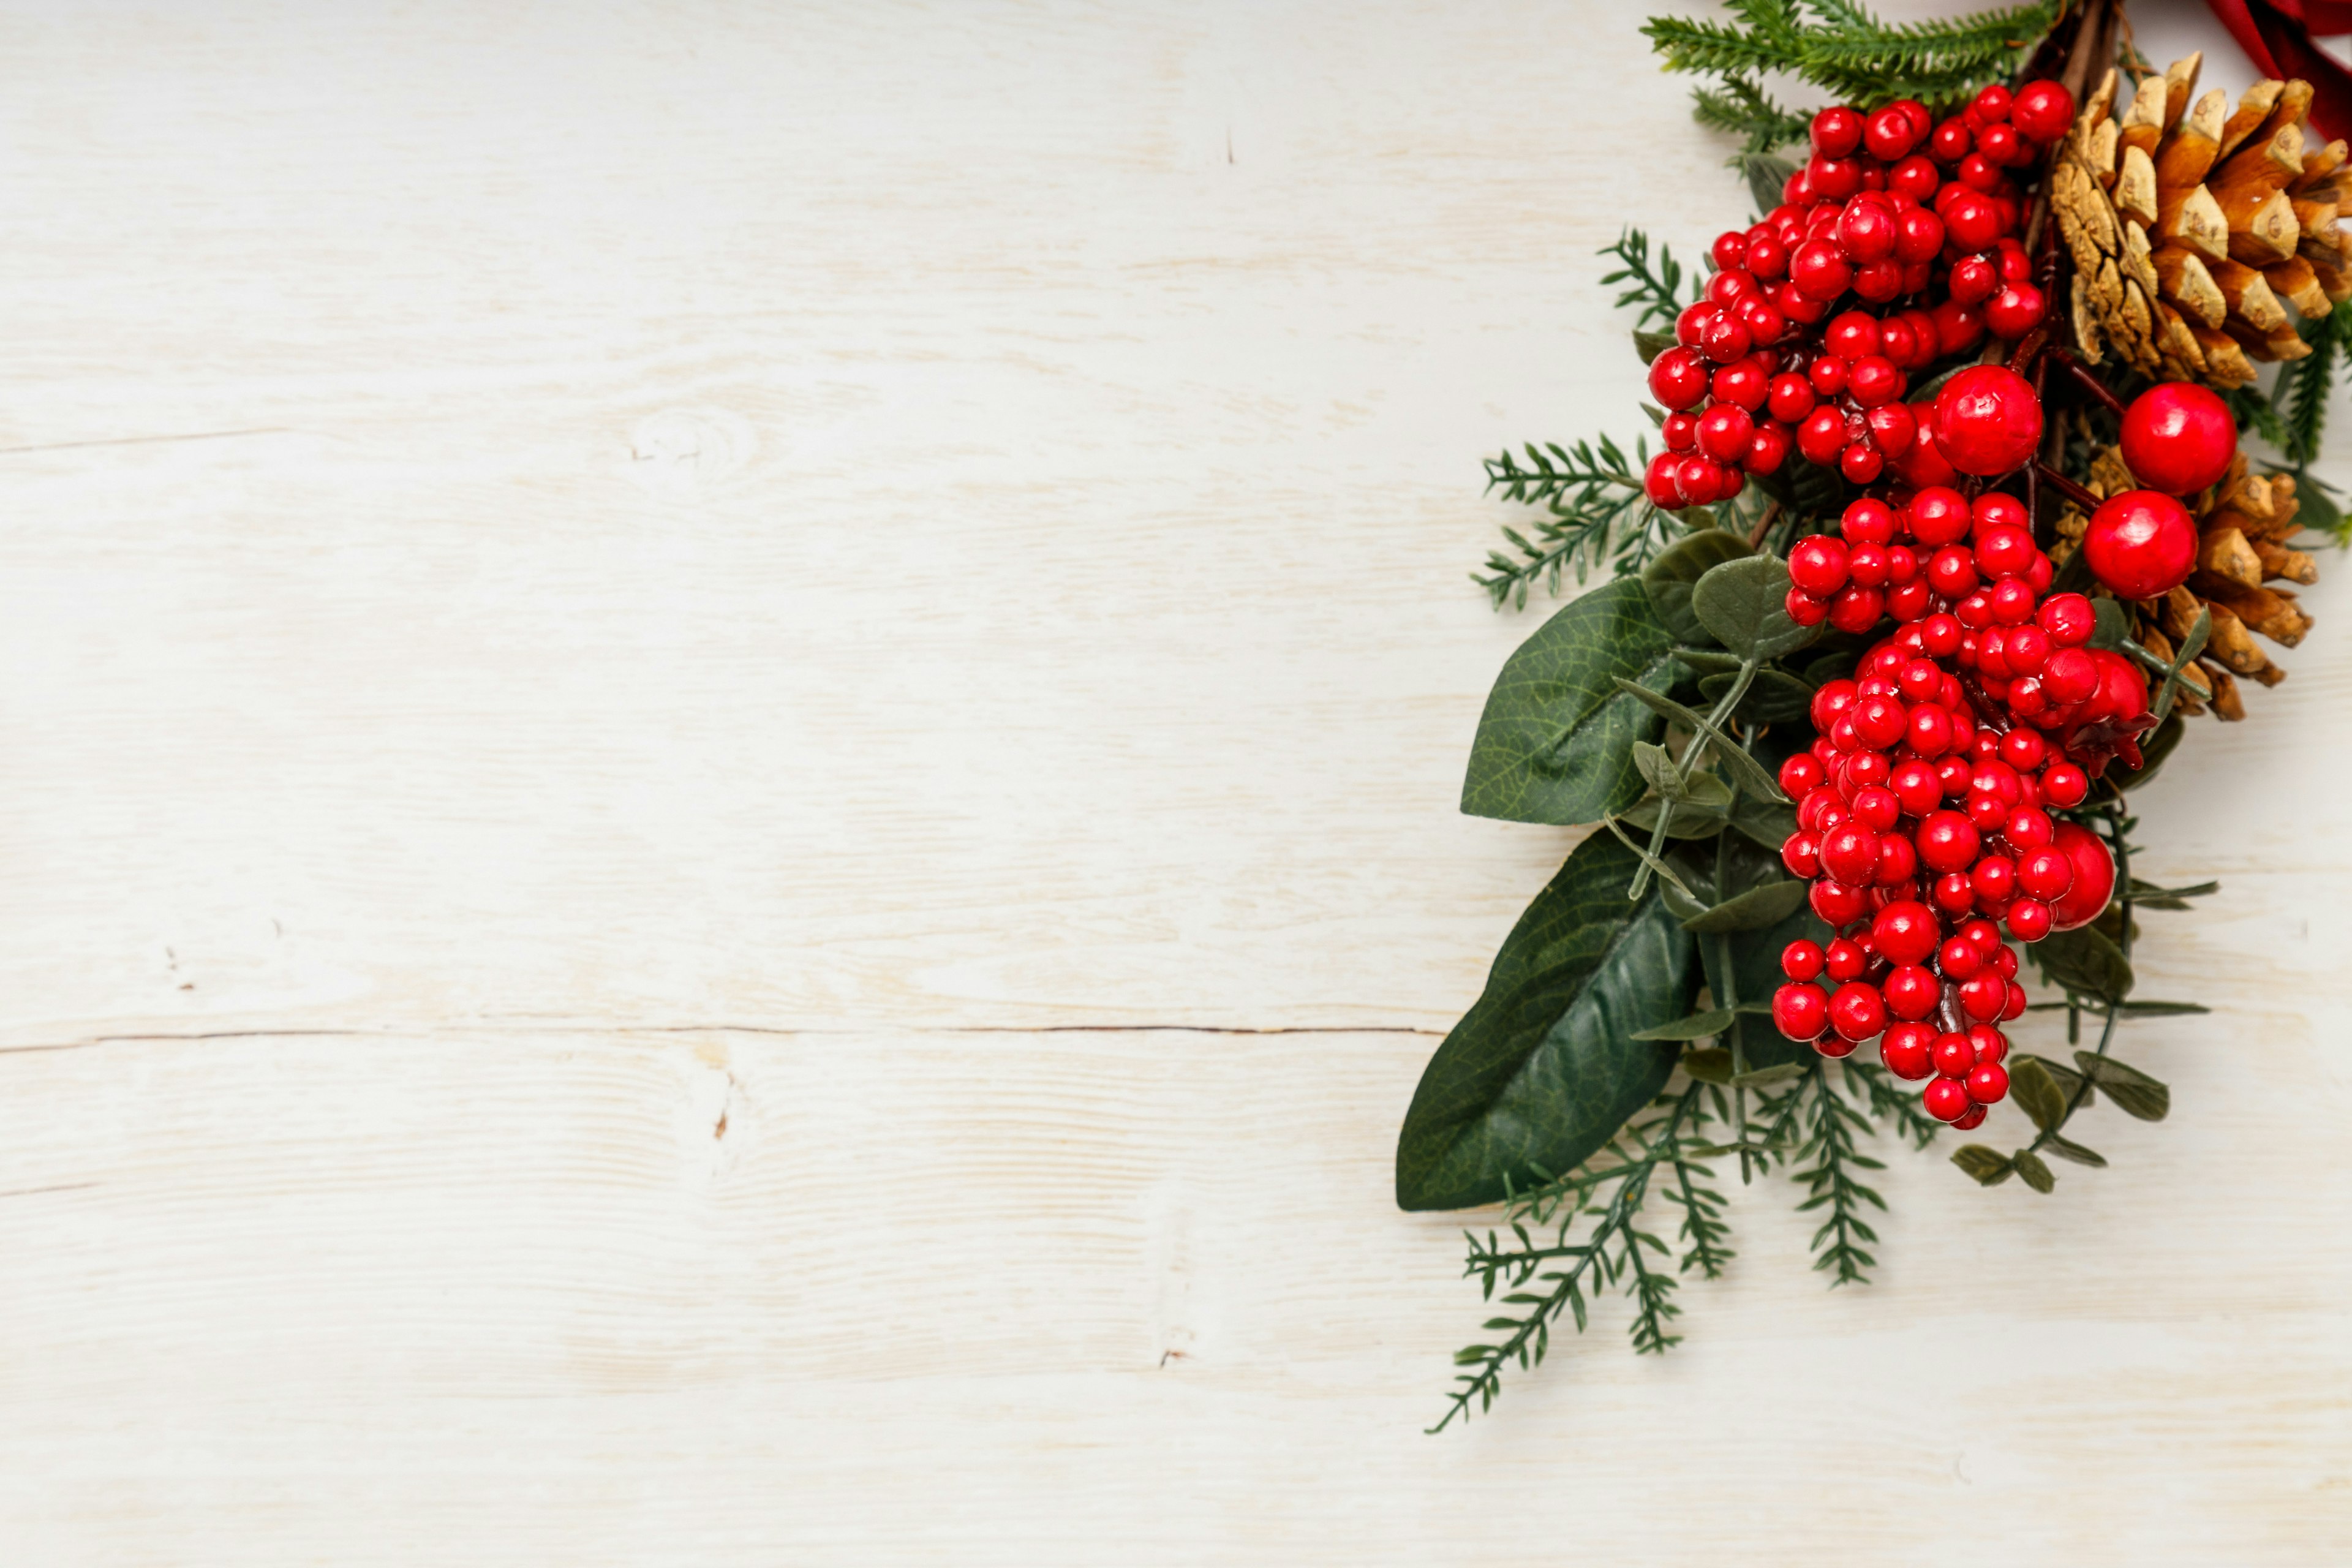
(1657, 290)
(1746, 111)
(1844, 49)
(1830, 1146)
(1596, 505)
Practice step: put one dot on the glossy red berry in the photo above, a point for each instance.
(2015, 310)
(2141, 545)
(1817, 563)
(1837, 132)
(1801, 960)
(1988, 1082)
(2044, 111)
(2028, 920)
(1912, 992)
(2093, 884)
(1678, 378)
(1857, 1011)
(1800, 1012)
(1947, 1100)
(2179, 438)
(1988, 420)
(1906, 933)
(1948, 841)
(1906, 1049)
(2065, 784)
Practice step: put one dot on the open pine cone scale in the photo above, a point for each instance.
(2192, 225)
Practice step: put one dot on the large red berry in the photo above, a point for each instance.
(1817, 563)
(1837, 132)
(2086, 897)
(1906, 933)
(2141, 545)
(1988, 420)
(1948, 841)
(2179, 438)
(1678, 378)
(1988, 1082)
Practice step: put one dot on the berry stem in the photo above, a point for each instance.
(2115, 1005)
(2088, 382)
(1763, 526)
(2066, 487)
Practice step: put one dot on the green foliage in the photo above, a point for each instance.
(1843, 49)
(1573, 1236)
(1654, 290)
(1747, 111)
(1596, 508)
(1555, 741)
(1669, 579)
(1542, 1071)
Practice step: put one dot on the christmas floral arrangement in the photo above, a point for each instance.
(1958, 519)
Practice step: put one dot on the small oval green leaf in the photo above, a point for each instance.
(1670, 578)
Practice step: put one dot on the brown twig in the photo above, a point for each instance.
(2088, 382)
(2067, 487)
(1763, 525)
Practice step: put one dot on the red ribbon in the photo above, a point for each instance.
(2277, 35)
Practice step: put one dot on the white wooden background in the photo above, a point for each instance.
(728, 755)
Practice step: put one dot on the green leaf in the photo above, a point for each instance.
(1684, 819)
(2037, 1093)
(1984, 1166)
(1745, 771)
(1543, 1071)
(1555, 741)
(1710, 1064)
(1766, 823)
(2069, 1081)
(1697, 1026)
(2067, 1149)
(1774, 697)
(2135, 1093)
(1650, 345)
(1765, 176)
(1755, 909)
(1670, 578)
(1706, 660)
(1703, 790)
(2034, 1172)
(2317, 511)
(2085, 961)
(1740, 603)
(2112, 624)
(1762, 1076)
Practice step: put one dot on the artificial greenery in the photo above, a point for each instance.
(1623, 1051)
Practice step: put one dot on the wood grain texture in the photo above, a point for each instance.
(731, 777)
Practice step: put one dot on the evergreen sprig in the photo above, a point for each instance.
(1849, 51)
(1597, 508)
(1657, 290)
(1747, 111)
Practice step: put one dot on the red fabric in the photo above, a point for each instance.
(2277, 35)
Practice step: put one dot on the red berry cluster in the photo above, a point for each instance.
(1921, 815)
(1761, 363)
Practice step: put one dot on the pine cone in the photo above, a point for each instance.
(2189, 225)
(2243, 524)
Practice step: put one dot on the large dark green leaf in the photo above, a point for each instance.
(1742, 606)
(1543, 1071)
(1556, 743)
(1670, 578)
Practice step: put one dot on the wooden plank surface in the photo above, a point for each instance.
(731, 777)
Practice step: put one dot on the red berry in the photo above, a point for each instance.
(1948, 841)
(1789, 397)
(1802, 1012)
(1839, 903)
(1817, 563)
(1957, 958)
(2070, 675)
(2095, 877)
(1973, 1117)
(1988, 1043)
(1837, 132)
(2068, 618)
(1905, 1050)
(1818, 270)
(1855, 610)
(2044, 111)
(1857, 1011)
(1988, 420)
(1729, 288)
(2065, 784)
(1799, 775)
(1800, 960)
(2141, 545)
(1822, 437)
(1867, 233)
(1972, 220)
(1722, 432)
(2001, 145)
(2028, 920)
(1983, 994)
(1906, 933)
(1678, 378)
(2045, 874)
(1726, 339)
(1988, 1082)
(2179, 438)
(1872, 380)
(1945, 1099)
(1742, 381)
(1805, 609)
(1868, 521)
(1731, 249)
